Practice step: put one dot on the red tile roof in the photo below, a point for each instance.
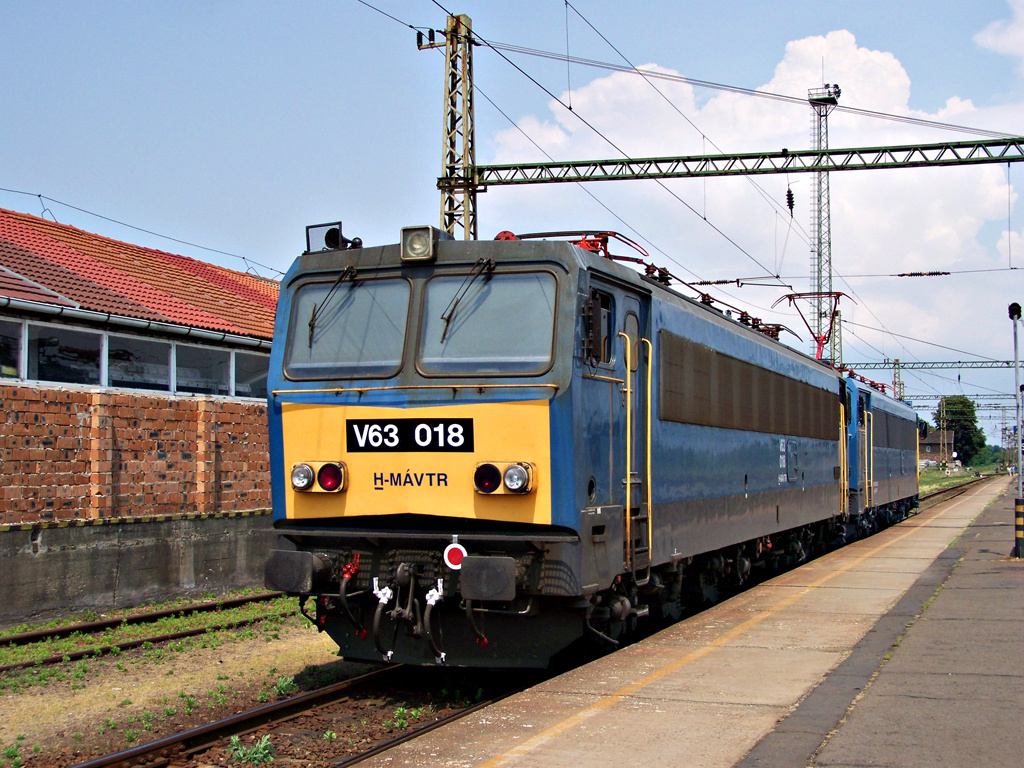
(16, 287)
(106, 275)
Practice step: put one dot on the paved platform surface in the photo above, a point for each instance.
(905, 649)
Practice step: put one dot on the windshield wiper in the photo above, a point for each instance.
(481, 266)
(348, 272)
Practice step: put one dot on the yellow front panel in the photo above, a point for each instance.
(434, 483)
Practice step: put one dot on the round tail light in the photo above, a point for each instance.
(330, 477)
(487, 478)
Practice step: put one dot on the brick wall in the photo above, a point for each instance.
(69, 454)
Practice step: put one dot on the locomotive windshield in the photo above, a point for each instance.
(490, 323)
(358, 330)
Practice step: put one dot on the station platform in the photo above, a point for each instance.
(904, 649)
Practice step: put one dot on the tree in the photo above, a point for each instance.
(961, 417)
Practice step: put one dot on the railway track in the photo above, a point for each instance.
(334, 704)
(96, 628)
(943, 494)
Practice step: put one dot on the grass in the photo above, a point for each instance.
(935, 479)
(116, 637)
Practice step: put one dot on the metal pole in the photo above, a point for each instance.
(1015, 316)
(1019, 502)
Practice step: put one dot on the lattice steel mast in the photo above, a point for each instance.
(458, 165)
(822, 100)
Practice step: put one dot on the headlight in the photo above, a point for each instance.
(418, 243)
(516, 479)
(302, 477)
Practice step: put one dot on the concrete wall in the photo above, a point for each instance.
(61, 570)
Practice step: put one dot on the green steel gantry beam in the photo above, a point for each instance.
(972, 398)
(888, 364)
(754, 164)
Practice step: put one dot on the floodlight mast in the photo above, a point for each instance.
(823, 100)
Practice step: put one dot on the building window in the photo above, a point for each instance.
(203, 370)
(63, 355)
(251, 374)
(10, 343)
(69, 355)
(135, 363)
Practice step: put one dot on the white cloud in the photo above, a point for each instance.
(883, 222)
(1005, 36)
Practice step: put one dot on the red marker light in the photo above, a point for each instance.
(453, 555)
(329, 477)
(487, 478)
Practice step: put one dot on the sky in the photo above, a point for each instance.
(230, 126)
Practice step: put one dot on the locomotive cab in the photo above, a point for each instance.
(415, 407)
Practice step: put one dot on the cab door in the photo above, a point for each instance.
(616, 415)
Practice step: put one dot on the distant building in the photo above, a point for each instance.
(930, 447)
(133, 384)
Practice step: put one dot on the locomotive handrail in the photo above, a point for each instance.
(871, 458)
(629, 450)
(611, 379)
(341, 390)
(650, 507)
(844, 469)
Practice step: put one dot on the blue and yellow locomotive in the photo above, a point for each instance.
(485, 451)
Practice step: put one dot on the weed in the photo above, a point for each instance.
(285, 686)
(190, 702)
(170, 711)
(120, 667)
(130, 736)
(16, 763)
(125, 703)
(330, 736)
(263, 697)
(36, 749)
(79, 736)
(110, 723)
(223, 677)
(10, 752)
(260, 752)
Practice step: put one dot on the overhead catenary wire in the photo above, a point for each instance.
(245, 259)
(569, 60)
(483, 41)
(768, 198)
(922, 122)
